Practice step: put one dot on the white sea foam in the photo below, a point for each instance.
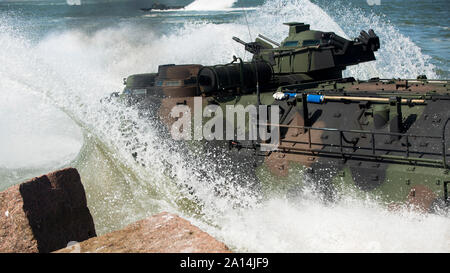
(352, 225)
(210, 5)
(73, 2)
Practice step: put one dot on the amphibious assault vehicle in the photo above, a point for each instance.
(386, 137)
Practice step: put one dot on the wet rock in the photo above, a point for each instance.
(162, 233)
(45, 213)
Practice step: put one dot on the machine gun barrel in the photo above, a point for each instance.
(239, 40)
(253, 48)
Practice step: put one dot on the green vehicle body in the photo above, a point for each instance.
(386, 138)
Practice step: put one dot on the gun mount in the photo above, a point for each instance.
(313, 55)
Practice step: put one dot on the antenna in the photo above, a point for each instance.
(258, 93)
(248, 26)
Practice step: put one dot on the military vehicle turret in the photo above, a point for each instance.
(385, 137)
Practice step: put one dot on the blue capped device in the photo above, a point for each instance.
(315, 98)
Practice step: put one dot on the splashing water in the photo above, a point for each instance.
(73, 2)
(210, 5)
(73, 71)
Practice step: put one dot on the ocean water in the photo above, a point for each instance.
(58, 59)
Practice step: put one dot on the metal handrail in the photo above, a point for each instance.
(374, 149)
(444, 148)
(348, 131)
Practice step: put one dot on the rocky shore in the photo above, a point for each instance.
(50, 214)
